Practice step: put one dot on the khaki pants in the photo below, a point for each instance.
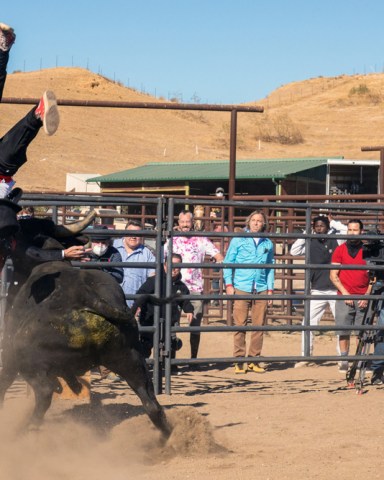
(258, 317)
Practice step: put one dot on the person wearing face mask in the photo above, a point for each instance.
(103, 251)
(217, 212)
(350, 282)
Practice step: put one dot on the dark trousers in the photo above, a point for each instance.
(14, 144)
(4, 56)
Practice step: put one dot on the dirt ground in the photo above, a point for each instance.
(288, 423)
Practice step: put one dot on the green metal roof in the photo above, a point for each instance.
(212, 170)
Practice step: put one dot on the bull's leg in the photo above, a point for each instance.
(134, 370)
(9, 371)
(7, 377)
(43, 388)
(73, 383)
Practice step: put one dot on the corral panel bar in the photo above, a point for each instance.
(148, 105)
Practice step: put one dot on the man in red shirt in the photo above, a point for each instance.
(350, 282)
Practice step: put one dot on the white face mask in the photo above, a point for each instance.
(99, 249)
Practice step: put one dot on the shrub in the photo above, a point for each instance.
(365, 94)
(224, 138)
(362, 89)
(279, 129)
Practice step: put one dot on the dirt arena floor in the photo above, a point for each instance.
(288, 423)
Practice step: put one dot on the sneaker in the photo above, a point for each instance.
(48, 113)
(255, 367)
(7, 37)
(377, 379)
(343, 366)
(301, 364)
(241, 368)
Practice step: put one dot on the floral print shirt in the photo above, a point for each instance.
(193, 250)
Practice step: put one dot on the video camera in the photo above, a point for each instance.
(373, 253)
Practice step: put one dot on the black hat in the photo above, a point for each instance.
(99, 237)
(8, 220)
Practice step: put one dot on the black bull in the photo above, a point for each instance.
(63, 322)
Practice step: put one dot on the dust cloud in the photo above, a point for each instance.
(192, 434)
(77, 449)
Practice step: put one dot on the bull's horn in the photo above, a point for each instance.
(76, 227)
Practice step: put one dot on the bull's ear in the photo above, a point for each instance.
(15, 195)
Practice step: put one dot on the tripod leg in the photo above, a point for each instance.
(363, 339)
(359, 385)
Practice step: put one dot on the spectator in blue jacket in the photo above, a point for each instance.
(245, 281)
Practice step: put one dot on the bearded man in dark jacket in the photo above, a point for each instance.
(146, 315)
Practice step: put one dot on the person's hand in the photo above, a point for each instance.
(229, 290)
(348, 302)
(77, 252)
(189, 317)
(362, 303)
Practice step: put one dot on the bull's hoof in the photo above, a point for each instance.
(166, 431)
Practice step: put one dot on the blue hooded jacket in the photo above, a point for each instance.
(244, 250)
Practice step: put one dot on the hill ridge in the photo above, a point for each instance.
(334, 115)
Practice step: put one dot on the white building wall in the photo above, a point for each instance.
(77, 182)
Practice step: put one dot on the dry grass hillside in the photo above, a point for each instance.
(317, 117)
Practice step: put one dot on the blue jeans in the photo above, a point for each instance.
(378, 365)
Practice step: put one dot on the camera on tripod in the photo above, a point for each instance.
(373, 253)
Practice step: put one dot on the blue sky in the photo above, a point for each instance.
(212, 51)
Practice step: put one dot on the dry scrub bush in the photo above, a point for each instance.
(224, 139)
(193, 116)
(363, 94)
(278, 129)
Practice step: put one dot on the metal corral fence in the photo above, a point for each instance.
(287, 220)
